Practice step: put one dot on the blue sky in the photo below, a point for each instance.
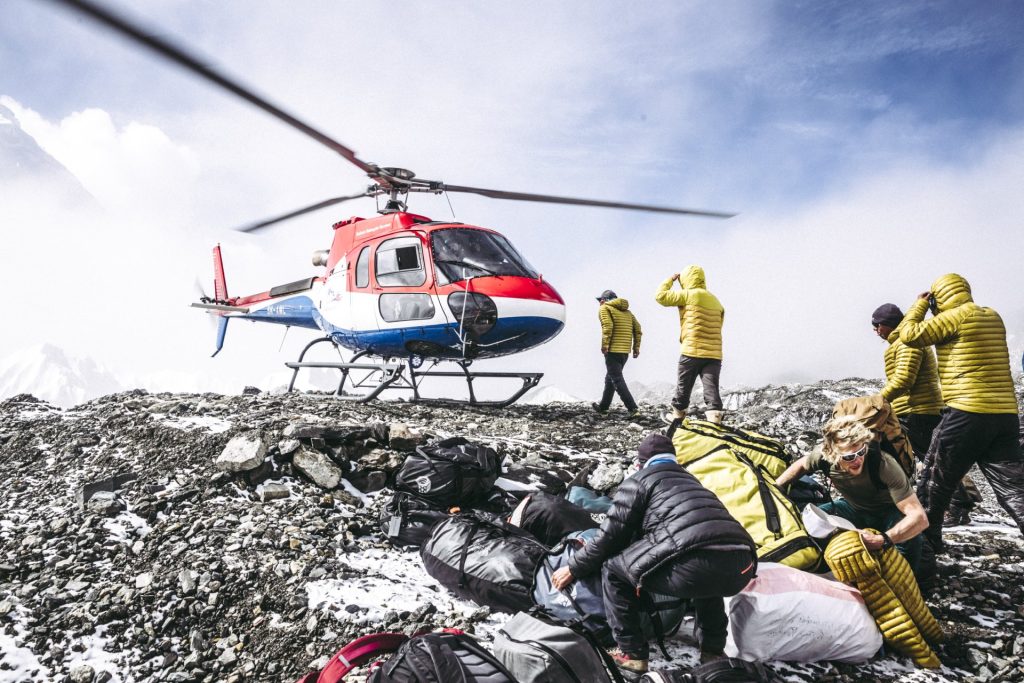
(869, 148)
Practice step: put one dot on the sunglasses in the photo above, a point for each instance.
(932, 304)
(850, 457)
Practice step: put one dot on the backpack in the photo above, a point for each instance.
(453, 472)
(752, 497)
(875, 413)
(441, 658)
(584, 601)
(481, 558)
(407, 521)
(538, 648)
(725, 670)
(436, 658)
(695, 438)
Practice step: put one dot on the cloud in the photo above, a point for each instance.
(134, 171)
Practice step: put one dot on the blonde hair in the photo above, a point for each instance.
(842, 433)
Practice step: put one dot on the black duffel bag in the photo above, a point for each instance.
(407, 520)
(442, 658)
(551, 518)
(479, 557)
(453, 472)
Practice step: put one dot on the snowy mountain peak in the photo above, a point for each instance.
(547, 394)
(48, 372)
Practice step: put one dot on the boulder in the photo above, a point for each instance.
(243, 453)
(317, 467)
(402, 437)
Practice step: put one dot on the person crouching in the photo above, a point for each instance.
(665, 533)
(875, 491)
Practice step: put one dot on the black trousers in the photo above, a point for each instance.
(709, 370)
(614, 382)
(919, 430)
(704, 576)
(961, 440)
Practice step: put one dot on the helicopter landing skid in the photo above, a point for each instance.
(376, 377)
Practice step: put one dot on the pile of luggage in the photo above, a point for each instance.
(500, 550)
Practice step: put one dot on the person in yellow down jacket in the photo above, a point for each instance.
(700, 330)
(979, 423)
(620, 335)
(912, 389)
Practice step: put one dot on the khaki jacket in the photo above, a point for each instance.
(620, 330)
(700, 314)
(970, 345)
(911, 379)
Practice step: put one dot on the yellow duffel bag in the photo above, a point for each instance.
(751, 496)
(696, 438)
(887, 583)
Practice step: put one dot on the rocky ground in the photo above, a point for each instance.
(133, 547)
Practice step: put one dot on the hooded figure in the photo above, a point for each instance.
(620, 335)
(700, 334)
(912, 388)
(980, 422)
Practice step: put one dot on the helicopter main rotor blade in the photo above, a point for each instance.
(309, 209)
(551, 199)
(178, 55)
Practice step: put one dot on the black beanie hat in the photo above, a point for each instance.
(607, 295)
(652, 445)
(889, 315)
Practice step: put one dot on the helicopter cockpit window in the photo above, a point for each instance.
(461, 253)
(363, 268)
(399, 263)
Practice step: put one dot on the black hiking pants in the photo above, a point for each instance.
(703, 576)
(709, 370)
(919, 429)
(614, 382)
(962, 439)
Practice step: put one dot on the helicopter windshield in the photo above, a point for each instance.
(461, 253)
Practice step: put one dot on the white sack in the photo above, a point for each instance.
(820, 524)
(794, 616)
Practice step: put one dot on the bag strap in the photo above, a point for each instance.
(465, 552)
(359, 652)
(659, 626)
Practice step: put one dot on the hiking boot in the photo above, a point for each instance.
(711, 656)
(633, 413)
(956, 518)
(673, 415)
(714, 416)
(598, 409)
(628, 664)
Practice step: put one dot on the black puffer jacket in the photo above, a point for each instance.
(659, 513)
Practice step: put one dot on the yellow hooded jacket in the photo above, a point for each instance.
(911, 379)
(970, 343)
(620, 330)
(700, 314)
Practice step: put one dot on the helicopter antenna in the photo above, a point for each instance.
(450, 207)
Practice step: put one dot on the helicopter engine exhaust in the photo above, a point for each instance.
(320, 257)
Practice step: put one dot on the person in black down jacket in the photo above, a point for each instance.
(665, 533)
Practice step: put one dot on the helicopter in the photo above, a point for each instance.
(400, 291)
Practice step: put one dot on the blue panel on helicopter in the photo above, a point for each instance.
(510, 335)
(297, 311)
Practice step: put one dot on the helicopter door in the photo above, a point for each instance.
(408, 311)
